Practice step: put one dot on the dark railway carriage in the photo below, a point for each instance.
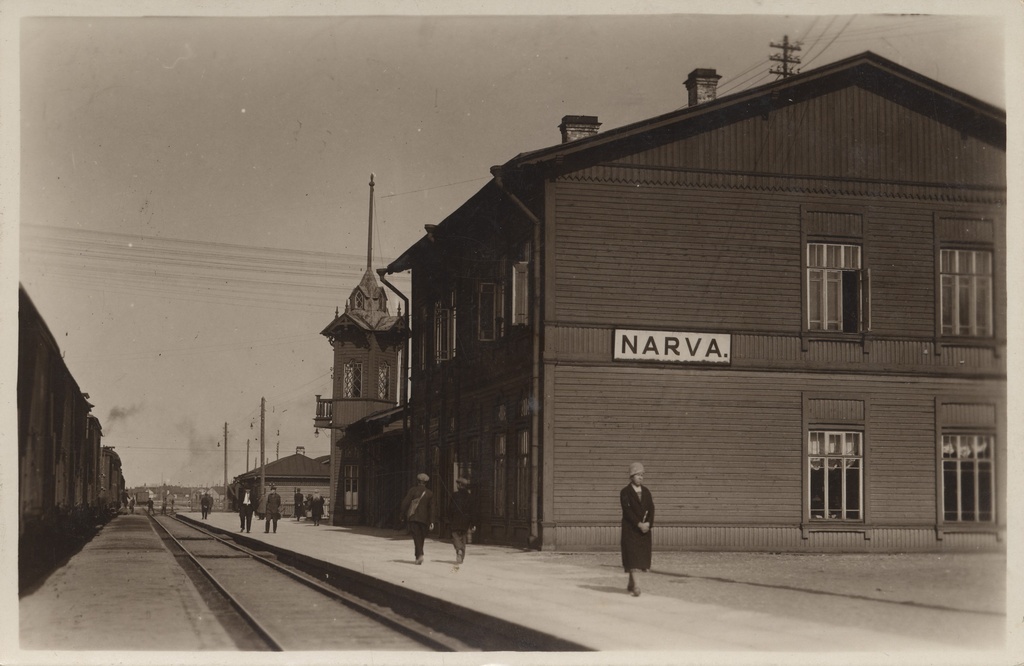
(61, 490)
(788, 303)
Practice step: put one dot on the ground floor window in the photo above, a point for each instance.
(835, 462)
(499, 475)
(967, 477)
(350, 487)
(522, 508)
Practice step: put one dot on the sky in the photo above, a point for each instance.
(192, 196)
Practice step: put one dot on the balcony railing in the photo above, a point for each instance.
(324, 412)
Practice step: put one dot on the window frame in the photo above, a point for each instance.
(972, 333)
(836, 281)
(352, 380)
(991, 461)
(827, 457)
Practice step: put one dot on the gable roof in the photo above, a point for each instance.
(869, 70)
(968, 114)
(293, 466)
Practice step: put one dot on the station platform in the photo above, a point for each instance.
(584, 604)
(693, 605)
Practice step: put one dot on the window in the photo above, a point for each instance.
(489, 306)
(835, 471)
(522, 508)
(444, 330)
(520, 293)
(967, 478)
(350, 484)
(358, 300)
(384, 380)
(965, 281)
(499, 475)
(834, 287)
(353, 380)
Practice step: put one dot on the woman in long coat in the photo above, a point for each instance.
(637, 520)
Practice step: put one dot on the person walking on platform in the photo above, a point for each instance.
(418, 512)
(273, 509)
(245, 508)
(316, 509)
(205, 504)
(163, 505)
(637, 520)
(299, 511)
(149, 505)
(172, 504)
(131, 504)
(462, 517)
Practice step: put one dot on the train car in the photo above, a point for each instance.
(59, 449)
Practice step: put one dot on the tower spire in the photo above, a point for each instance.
(369, 236)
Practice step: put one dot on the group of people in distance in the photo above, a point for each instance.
(312, 503)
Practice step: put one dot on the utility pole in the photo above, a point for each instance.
(263, 460)
(225, 465)
(785, 59)
(247, 458)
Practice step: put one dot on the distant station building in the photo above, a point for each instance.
(789, 303)
(297, 471)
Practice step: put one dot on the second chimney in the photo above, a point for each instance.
(578, 127)
(701, 86)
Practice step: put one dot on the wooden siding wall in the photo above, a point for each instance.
(726, 447)
(730, 261)
(850, 134)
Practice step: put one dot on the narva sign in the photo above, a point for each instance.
(670, 346)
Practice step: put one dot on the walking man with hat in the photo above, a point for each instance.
(418, 512)
(462, 516)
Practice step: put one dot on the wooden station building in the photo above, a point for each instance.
(788, 303)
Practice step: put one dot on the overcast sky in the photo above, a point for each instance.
(193, 190)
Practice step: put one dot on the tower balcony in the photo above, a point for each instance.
(324, 413)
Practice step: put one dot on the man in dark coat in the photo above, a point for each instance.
(299, 509)
(273, 509)
(637, 520)
(462, 515)
(206, 503)
(247, 500)
(418, 511)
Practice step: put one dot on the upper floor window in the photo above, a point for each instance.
(489, 307)
(384, 380)
(444, 329)
(358, 301)
(353, 380)
(965, 282)
(834, 287)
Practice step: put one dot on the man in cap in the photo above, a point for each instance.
(462, 516)
(273, 509)
(418, 512)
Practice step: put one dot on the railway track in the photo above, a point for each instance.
(266, 605)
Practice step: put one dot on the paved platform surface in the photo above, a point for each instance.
(949, 607)
(123, 590)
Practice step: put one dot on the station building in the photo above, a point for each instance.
(788, 303)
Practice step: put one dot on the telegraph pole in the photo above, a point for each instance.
(785, 58)
(247, 458)
(225, 465)
(263, 460)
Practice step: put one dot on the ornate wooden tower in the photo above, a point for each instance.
(368, 342)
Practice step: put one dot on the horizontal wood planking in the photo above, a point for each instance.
(847, 133)
(779, 539)
(725, 447)
(727, 260)
(587, 344)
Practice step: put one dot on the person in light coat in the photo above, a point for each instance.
(418, 512)
(637, 521)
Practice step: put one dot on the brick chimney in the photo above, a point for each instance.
(301, 450)
(578, 127)
(701, 86)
